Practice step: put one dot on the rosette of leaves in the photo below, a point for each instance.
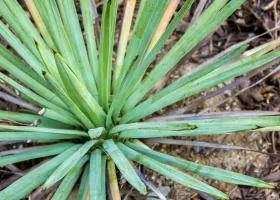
(89, 107)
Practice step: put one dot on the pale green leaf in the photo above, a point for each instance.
(34, 178)
(87, 14)
(171, 173)
(37, 153)
(79, 93)
(44, 130)
(68, 164)
(201, 170)
(84, 185)
(96, 176)
(10, 136)
(208, 22)
(74, 33)
(124, 166)
(107, 36)
(70, 179)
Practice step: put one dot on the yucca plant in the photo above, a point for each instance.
(89, 108)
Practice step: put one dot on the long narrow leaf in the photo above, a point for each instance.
(48, 58)
(211, 79)
(150, 133)
(69, 181)
(199, 127)
(126, 25)
(200, 73)
(25, 22)
(60, 92)
(138, 32)
(175, 126)
(79, 93)
(21, 49)
(37, 153)
(129, 82)
(31, 119)
(6, 136)
(51, 17)
(74, 33)
(39, 22)
(208, 22)
(9, 56)
(68, 117)
(87, 13)
(34, 178)
(84, 185)
(96, 180)
(12, 20)
(152, 54)
(124, 166)
(106, 51)
(202, 170)
(44, 130)
(68, 164)
(165, 19)
(170, 172)
(48, 113)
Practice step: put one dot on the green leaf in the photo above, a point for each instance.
(74, 33)
(123, 39)
(87, 14)
(68, 164)
(103, 175)
(15, 67)
(210, 130)
(44, 130)
(208, 22)
(34, 178)
(21, 49)
(49, 61)
(59, 91)
(79, 93)
(37, 153)
(170, 172)
(199, 73)
(151, 56)
(96, 181)
(84, 186)
(259, 121)
(143, 35)
(31, 119)
(67, 117)
(124, 166)
(201, 170)
(39, 22)
(97, 132)
(23, 20)
(51, 17)
(199, 127)
(107, 36)
(21, 67)
(174, 126)
(140, 29)
(10, 136)
(21, 31)
(217, 76)
(48, 113)
(69, 181)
